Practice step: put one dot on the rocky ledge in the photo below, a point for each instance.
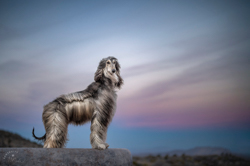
(63, 156)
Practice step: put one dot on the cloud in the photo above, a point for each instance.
(211, 84)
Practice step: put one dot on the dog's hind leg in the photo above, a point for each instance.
(56, 124)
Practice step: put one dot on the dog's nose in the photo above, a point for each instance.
(113, 70)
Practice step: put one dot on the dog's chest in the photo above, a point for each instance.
(106, 101)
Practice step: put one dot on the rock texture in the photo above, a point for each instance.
(51, 157)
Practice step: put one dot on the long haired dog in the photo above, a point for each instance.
(97, 103)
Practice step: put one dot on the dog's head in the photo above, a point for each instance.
(110, 68)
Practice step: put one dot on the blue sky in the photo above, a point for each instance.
(185, 65)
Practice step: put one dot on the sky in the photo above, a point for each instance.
(185, 65)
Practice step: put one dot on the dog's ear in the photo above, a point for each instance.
(117, 66)
(99, 71)
(120, 82)
(98, 75)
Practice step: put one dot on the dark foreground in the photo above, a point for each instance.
(9, 139)
(183, 160)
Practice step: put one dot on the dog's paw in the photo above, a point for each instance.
(101, 147)
(107, 145)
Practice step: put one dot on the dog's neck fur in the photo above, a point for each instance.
(108, 83)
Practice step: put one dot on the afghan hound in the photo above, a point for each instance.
(97, 103)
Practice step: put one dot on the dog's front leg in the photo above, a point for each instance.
(98, 132)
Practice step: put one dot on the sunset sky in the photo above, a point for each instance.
(185, 64)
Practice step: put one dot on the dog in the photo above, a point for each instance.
(97, 103)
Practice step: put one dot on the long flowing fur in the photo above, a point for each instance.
(97, 103)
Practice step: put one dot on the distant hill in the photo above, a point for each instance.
(200, 151)
(8, 139)
(186, 160)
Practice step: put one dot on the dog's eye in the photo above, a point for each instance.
(108, 62)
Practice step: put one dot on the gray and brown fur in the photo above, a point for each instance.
(97, 103)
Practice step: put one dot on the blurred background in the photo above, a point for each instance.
(185, 64)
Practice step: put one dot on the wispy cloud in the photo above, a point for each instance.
(210, 81)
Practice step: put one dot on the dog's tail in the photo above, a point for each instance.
(38, 138)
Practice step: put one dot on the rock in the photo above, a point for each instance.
(63, 156)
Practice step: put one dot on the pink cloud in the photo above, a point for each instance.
(203, 106)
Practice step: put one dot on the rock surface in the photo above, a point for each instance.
(63, 156)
